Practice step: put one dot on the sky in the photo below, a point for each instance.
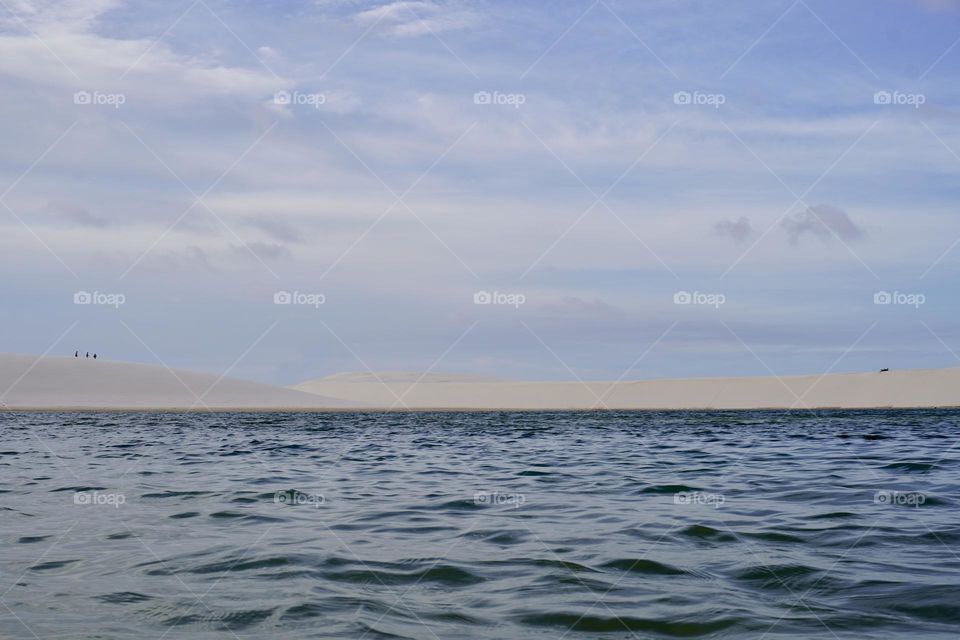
(282, 190)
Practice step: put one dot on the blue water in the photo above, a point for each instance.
(480, 525)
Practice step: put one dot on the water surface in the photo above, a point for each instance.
(834, 524)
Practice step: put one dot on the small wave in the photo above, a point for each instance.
(603, 624)
(644, 566)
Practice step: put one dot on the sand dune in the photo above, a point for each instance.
(915, 388)
(27, 382)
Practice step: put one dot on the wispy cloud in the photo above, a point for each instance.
(823, 221)
(412, 18)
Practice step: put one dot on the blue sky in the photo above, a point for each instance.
(596, 158)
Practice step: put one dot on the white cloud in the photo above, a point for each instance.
(414, 18)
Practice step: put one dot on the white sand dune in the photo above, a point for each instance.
(27, 382)
(914, 388)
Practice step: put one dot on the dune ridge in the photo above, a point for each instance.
(52, 382)
(898, 389)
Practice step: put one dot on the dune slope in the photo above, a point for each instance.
(27, 382)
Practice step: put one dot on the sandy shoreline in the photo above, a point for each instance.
(28, 383)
